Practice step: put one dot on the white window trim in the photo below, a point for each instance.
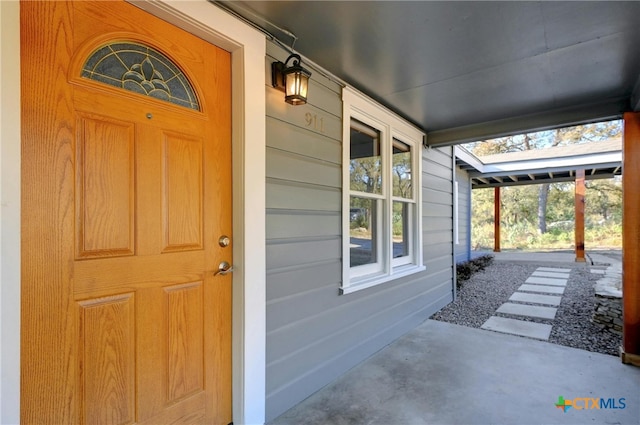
(364, 109)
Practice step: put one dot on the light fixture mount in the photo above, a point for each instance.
(292, 80)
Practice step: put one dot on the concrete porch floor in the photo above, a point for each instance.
(440, 373)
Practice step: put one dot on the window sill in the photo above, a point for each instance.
(358, 284)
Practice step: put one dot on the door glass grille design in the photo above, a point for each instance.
(140, 69)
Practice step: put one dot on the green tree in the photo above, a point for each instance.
(604, 200)
(561, 196)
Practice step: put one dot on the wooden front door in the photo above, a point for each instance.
(126, 193)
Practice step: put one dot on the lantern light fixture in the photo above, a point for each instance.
(293, 80)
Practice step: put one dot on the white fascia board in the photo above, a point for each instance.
(556, 179)
(548, 171)
(572, 162)
(469, 158)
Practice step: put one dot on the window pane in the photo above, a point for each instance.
(366, 162)
(143, 70)
(401, 228)
(363, 232)
(402, 170)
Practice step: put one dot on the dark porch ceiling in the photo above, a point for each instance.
(465, 71)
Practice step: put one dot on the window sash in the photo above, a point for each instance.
(375, 242)
(401, 153)
(402, 242)
(365, 115)
(369, 159)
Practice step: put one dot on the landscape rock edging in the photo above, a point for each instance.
(607, 311)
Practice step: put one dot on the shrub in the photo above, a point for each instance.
(466, 269)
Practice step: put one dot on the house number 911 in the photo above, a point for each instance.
(314, 122)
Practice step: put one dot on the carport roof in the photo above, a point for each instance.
(558, 164)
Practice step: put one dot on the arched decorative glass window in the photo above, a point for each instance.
(140, 69)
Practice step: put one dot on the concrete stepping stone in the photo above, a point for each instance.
(524, 297)
(536, 280)
(553, 269)
(597, 271)
(528, 310)
(542, 289)
(550, 274)
(518, 327)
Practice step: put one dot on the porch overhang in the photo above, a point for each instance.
(546, 166)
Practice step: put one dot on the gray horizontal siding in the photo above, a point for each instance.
(440, 157)
(436, 250)
(314, 334)
(437, 183)
(431, 209)
(439, 261)
(325, 123)
(286, 137)
(284, 223)
(300, 279)
(431, 197)
(286, 253)
(290, 166)
(283, 194)
(436, 224)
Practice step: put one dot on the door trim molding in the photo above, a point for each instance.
(10, 144)
(248, 52)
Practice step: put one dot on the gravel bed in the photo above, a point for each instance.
(481, 295)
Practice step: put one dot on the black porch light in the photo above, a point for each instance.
(294, 80)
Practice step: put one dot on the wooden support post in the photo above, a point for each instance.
(579, 207)
(630, 350)
(496, 219)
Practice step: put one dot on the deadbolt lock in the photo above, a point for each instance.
(224, 241)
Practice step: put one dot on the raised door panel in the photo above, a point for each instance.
(170, 352)
(185, 341)
(182, 192)
(107, 360)
(105, 187)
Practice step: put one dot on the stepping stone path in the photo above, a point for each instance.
(535, 298)
(544, 288)
(546, 281)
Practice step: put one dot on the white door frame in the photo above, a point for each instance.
(247, 47)
(10, 212)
